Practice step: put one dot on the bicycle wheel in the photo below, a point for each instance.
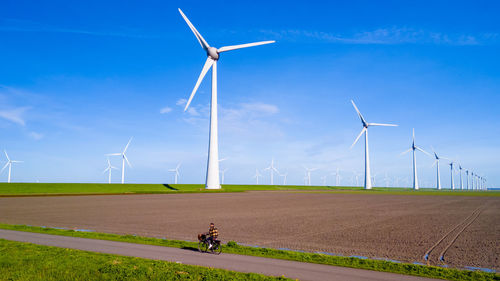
(217, 249)
(203, 247)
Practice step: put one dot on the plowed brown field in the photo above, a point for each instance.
(399, 227)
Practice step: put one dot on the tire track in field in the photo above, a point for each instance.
(461, 226)
(441, 255)
(427, 256)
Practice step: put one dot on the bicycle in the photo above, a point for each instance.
(203, 245)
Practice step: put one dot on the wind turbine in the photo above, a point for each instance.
(9, 163)
(413, 148)
(308, 174)
(108, 169)
(452, 183)
(124, 158)
(272, 169)
(368, 181)
(285, 175)
(436, 162)
(176, 171)
(212, 180)
(467, 178)
(223, 172)
(323, 178)
(257, 175)
(461, 181)
(337, 176)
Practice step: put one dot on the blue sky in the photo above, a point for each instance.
(78, 79)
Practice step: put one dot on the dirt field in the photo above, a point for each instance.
(397, 227)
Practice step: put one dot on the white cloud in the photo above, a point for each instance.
(14, 115)
(181, 102)
(390, 35)
(36, 136)
(166, 109)
(193, 112)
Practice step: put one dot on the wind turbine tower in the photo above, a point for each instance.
(272, 169)
(213, 55)
(176, 171)
(9, 164)
(124, 158)
(108, 169)
(412, 149)
(368, 182)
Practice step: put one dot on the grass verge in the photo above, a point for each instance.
(53, 189)
(234, 248)
(26, 261)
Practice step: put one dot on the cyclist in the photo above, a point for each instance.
(213, 233)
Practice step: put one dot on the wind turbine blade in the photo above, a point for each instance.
(424, 151)
(7, 164)
(126, 147)
(6, 155)
(202, 41)
(126, 159)
(16, 161)
(434, 164)
(380, 124)
(362, 131)
(235, 47)
(359, 113)
(178, 166)
(404, 152)
(105, 170)
(113, 154)
(208, 63)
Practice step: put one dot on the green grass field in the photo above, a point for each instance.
(25, 261)
(233, 248)
(41, 189)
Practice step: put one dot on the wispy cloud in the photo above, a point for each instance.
(35, 135)
(388, 36)
(165, 110)
(7, 24)
(14, 115)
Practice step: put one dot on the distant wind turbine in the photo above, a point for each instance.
(212, 180)
(452, 183)
(436, 162)
(368, 182)
(9, 164)
(308, 174)
(108, 169)
(467, 178)
(413, 148)
(223, 172)
(323, 178)
(176, 171)
(284, 177)
(461, 181)
(124, 158)
(257, 175)
(272, 169)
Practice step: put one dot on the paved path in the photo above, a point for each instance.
(266, 266)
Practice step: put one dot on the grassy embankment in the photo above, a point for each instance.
(231, 247)
(44, 189)
(25, 261)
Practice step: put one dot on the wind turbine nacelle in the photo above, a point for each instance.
(212, 52)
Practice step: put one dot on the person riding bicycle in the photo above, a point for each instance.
(213, 233)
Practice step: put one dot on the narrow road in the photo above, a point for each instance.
(266, 266)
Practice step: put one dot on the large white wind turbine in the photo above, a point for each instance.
(413, 148)
(452, 183)
(368, 180)
(257, 175)
(272, 169)
(9, 164)
(108, 169)
(212, 180)
(467, 178)
(124, 158)
(176, 171)
(308, 174)
(436, 162)
(461, 181)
